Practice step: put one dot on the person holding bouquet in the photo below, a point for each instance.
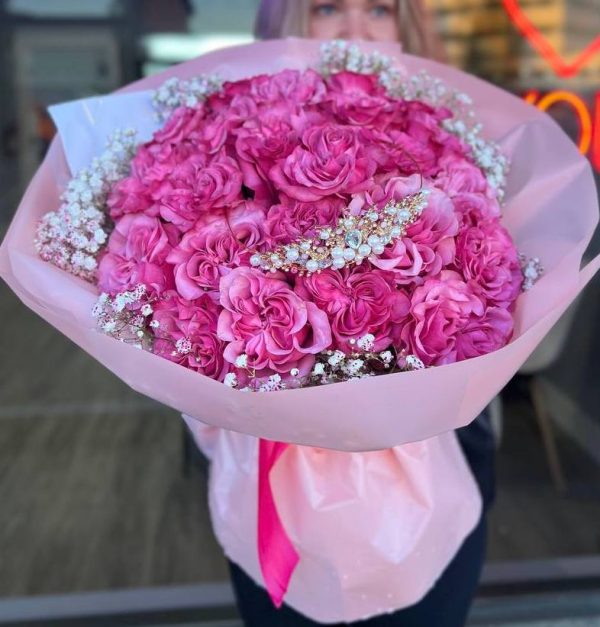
(409, 22)
(325, 256)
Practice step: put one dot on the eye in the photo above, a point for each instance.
(381, 10)
(324, 10)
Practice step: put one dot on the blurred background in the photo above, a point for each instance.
(103, 513)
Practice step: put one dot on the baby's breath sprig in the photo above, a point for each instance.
(270, 383)
(337, 366)
(532, 270)
(127, 316)
(331, 366)
(338, 56)
(406, 362)
(175, 92)
(73, 236)
(254, 382)
(486, 154)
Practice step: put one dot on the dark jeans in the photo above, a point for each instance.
(446, 604)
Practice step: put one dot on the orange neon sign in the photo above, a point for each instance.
(589, 120)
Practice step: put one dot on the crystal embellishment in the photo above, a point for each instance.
(353, 238)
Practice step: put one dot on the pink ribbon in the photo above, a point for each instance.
(276, 554)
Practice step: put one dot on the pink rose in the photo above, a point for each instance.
(484, 334)
(270, 137)
(391, 187)
(241, 109)
(330, 161)
(231, 89)
(415, 142)
(182, 123)
(458, 175)
(354, 84)
(214, 133)
(196, 322)
(151, 168)
(128, 195)
(246, 222)
(440, 310)
(429, 245)
(420, 120)
(287, 222)
(137, 252)
(474, 208)
(357, 301)
(154, 162)
(142, 238)
(260, 143)
(358, 99)
(217, 243)
(264, 319)
(399, 153)
(118, 274)
(219, 104)
(487, 257)
(290, 86)
(198, 187)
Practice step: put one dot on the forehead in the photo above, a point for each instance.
(358, 3)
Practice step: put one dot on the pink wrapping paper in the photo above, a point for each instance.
(551, 211)
(373, 531)
(392, 506)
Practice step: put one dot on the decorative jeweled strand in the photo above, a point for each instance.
(349, 242)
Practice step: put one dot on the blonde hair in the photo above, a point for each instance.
(289, 18)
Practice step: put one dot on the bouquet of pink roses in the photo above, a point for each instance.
(302, 228)
(306, 223)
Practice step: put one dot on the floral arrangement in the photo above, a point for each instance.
(298, 228)
(323, 216)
